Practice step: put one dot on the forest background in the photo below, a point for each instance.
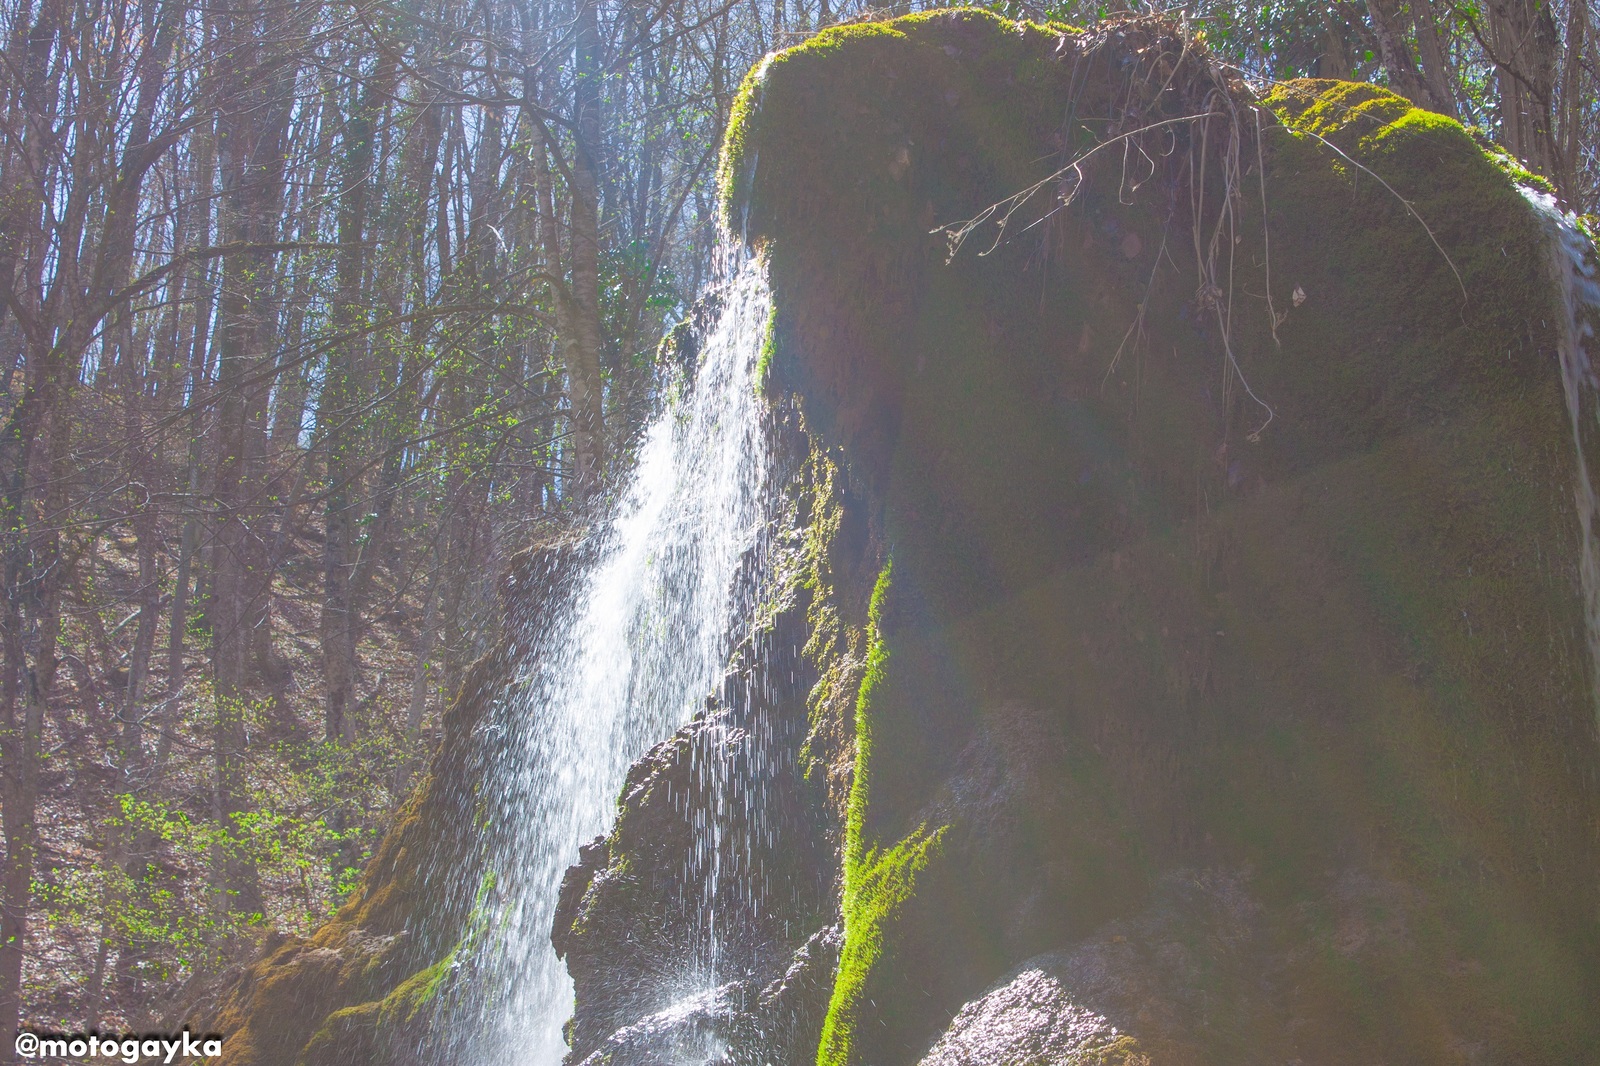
(312, 313)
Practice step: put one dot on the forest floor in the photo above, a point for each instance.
(122, 937)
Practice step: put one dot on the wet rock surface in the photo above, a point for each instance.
(715, 869)
(1032, 1020)
(740, 1023)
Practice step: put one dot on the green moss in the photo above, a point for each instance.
(768, 348)
(1122, 1051)
(1329, 108)
(737, 162)
(415, 993)
(878, 884)
(678, 346)
(1513, 167)
(734, 162)
(347, 1035)
(357, 1034)
(743, 139)
(856, 846)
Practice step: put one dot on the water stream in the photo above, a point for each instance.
(637, 650)
(1573, 268)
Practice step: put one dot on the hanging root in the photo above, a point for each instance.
(1225, 105)
(1174, 96)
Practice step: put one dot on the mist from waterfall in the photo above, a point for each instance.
(632, 654)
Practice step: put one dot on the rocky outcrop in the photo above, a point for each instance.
(724, 856)
(1221, 485)
(1205, 970)
(740, 1023)
(362, 989)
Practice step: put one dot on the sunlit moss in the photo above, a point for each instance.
(1220, 635)
(877, 885)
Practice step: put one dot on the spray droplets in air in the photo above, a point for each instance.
(628, 657)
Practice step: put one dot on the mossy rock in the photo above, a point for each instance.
(360, 989)
(763, 761)
(1229, 493)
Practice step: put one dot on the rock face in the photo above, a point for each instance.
(1205, 971)
(727, 837)
(1177, 649)
(1219, 481)
(362, 989)
(1032, 1018)
(741, 1022)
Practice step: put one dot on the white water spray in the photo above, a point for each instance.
(1572, 267)
(643, 642)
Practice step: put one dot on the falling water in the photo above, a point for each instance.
(1572, 265)
(638, 649)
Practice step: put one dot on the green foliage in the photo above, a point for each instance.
(163, 906)
(769, 347)
(305, 831)
(1285, 39)
(631, 280)
(878, 885)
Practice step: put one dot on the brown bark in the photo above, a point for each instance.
(339, 430)
(1436, 71)
(580, 333)
(88, 236)
(1335, 60)
(197, 355)
(1390, 23)
(34, 580)
(251, 129)
(1569, 116)
(1520, 38)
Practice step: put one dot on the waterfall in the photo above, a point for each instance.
(1573, 268)
(635, 651)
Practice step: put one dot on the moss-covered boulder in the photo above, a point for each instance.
(362, 989)
(1222, 485)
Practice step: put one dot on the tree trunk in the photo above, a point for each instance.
(339, 426)
(1523, 44)
(580, 334)
(34, 581)
(1437, 74)
(1390, 25)
(251, 132)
